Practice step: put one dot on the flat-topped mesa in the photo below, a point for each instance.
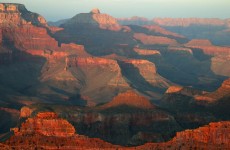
(207, 47)
(12, 14)
(48, 124)
(94, 19)
(129, 98)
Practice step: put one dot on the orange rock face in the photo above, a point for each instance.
(25, 112)
(47, 124)
(130, 98)
(148, 39)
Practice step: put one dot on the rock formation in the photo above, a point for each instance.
(129, 98)
(94, 19)
(212, 136)
(47, 124)
(47, 131)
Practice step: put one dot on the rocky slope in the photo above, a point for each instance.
(129, 98)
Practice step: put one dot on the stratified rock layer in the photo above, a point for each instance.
(47, 124)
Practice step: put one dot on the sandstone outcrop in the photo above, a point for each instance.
(47, 124)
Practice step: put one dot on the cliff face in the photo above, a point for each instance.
(16, 14)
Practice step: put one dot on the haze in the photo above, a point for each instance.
(54, 10)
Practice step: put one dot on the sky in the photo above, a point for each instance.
(54, 10)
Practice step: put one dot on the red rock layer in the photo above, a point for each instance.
(129, 98)
(47, 124)
(207, 47)
(148, 39)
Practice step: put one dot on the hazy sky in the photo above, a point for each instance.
(54, 10)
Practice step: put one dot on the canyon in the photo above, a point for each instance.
(97, 82)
